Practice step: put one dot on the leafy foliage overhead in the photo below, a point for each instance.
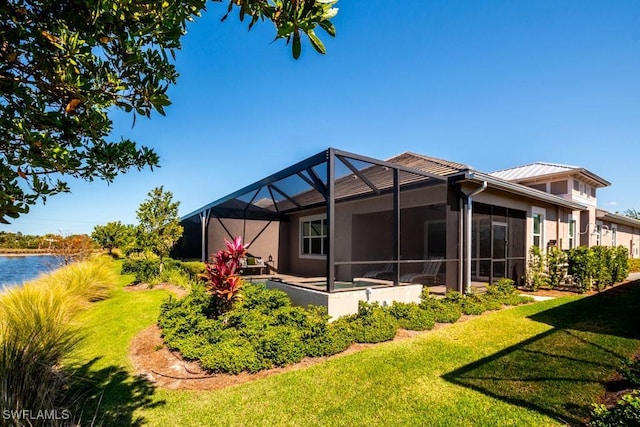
(65, 65)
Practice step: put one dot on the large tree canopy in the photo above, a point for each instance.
(66, 64)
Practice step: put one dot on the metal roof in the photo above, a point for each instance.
(305, 185)
(428, 164)
(545, 169)
(617, 218)
(519, 189)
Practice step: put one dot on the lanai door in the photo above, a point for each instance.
(499, 250)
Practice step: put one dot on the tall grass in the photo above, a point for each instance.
(37, 331)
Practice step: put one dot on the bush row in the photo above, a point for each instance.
(149, 270)
(264, 330)
(589, 267)
(598, 266)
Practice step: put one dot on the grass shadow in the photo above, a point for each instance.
(110, 395)
(562, 371)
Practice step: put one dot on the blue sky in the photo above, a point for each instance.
(490, 84)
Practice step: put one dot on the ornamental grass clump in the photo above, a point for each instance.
(37, 333)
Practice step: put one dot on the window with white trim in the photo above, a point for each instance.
(313, 236)
(537, 215)
(598, 233)
(572, 232)
(614, 235)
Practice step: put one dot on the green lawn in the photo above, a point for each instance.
(540, 364)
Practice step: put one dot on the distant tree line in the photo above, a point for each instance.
(9, 240)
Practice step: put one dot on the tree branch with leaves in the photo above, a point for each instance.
(67, 65)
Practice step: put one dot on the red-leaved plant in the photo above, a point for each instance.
(223, 273)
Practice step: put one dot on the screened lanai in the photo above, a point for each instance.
(343, 219)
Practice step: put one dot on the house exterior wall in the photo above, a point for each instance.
(555, 226)
(621, 235)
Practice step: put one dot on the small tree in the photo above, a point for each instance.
(632, 213)
(66, 67)
(111, 235)
(72, 248)
(159, 227)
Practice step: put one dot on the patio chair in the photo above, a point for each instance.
(429, 271)
(376, 274)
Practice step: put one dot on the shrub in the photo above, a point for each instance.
(453, 297)
(442, 311)
(516, 299)
(634, 264)
(556, 266)
(143, 269)
(324, 339)
(619, 264)
(625, 413)
(472, 305)
(233, 356)
(505, 293)
(174, 276)
(630, 371)
(195, 269)
(490, 302)
(373, 324)
(411, 316)
(535, 275)
(264, 331)
(602, 266)
(258, 297)
(581, 267)
(281, 345)
(503, 286)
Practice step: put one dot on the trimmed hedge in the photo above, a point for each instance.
(263, 329)
(412, 317)
(373, 324)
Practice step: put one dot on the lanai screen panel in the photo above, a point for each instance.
(498, 243)
(357, 190)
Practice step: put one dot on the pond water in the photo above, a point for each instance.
(15, 270)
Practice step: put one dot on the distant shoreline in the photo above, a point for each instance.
(21, 254)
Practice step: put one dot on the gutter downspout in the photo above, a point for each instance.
(467, 235)
(204, 220)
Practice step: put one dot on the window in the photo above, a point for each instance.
(313, 235)
(598, 233)
(614, 235)
(572, 232)
(538, 227)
